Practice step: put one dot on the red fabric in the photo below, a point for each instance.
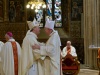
(69, 68)
(68, 61)
(99, 53)
(68, 50)
(15, 54)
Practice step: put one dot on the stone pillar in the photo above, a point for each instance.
(91, 31)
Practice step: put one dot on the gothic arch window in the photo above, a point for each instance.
(53, 11)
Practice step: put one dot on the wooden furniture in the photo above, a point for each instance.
(70, 65)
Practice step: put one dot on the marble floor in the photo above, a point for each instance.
(88, 72)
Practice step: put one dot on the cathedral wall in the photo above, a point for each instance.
(13, 17)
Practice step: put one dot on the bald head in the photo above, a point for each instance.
(68, 44)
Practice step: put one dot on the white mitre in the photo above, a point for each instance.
(33, 24)
(50, 24)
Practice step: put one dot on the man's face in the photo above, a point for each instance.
(48, 31)
(68, 44)
(37, 29)
(6, 37)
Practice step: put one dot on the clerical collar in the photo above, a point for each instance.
(33, 34)
(52, 33)
(11, 39)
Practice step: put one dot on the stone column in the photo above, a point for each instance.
(91, 31)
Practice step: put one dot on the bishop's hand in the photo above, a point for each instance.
(35, 47)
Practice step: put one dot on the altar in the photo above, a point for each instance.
(94, 56)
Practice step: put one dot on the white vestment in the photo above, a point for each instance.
(7, 58)
(52, 52)
(1, 45)
(73, 51)
(29, 56)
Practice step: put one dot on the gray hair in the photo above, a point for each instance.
(69, 42)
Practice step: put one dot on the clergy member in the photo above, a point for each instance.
(51, 50)
(69, 49)
(10, 55)
(1, 45)
(30, 58)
